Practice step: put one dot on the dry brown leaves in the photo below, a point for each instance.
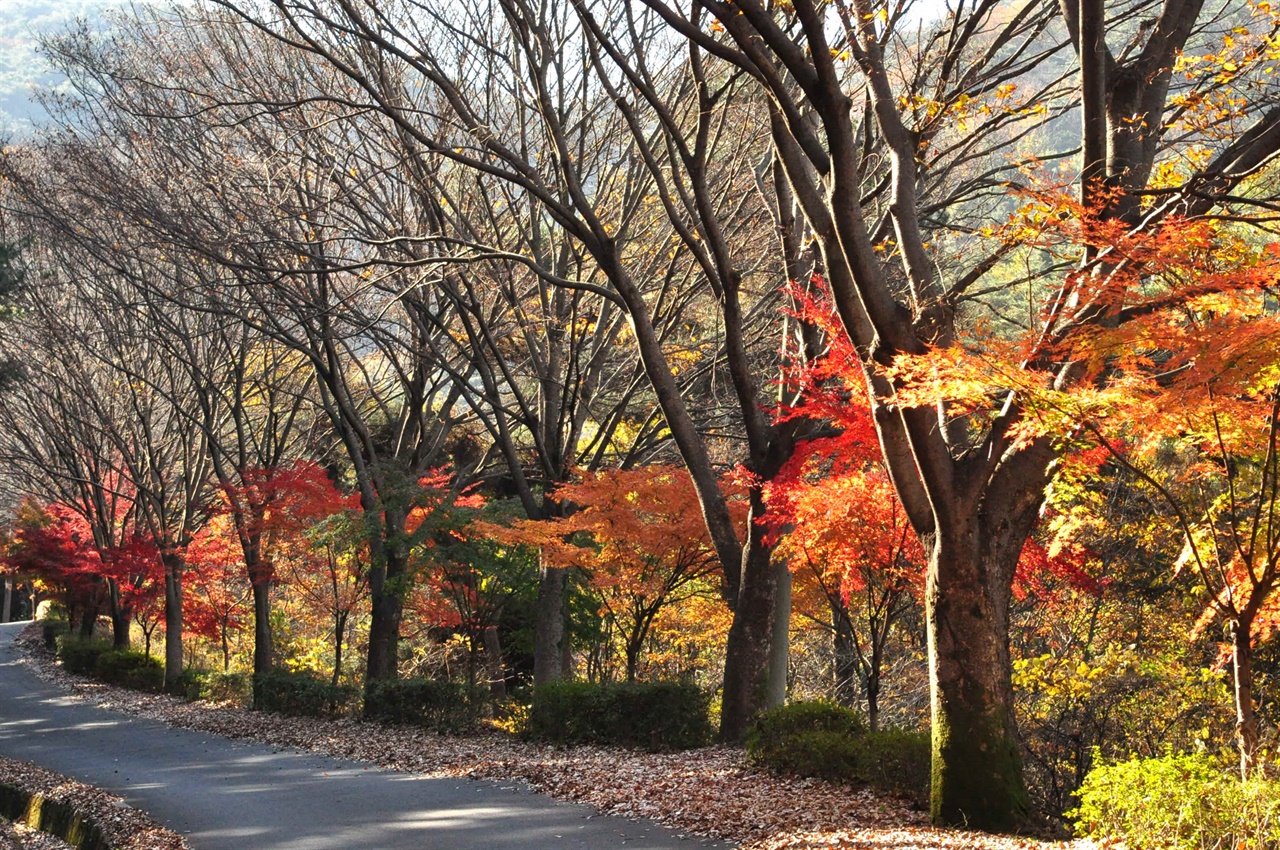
(16, 836)
(124, 827)
(711, 792)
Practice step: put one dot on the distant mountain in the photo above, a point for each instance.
(22, 69)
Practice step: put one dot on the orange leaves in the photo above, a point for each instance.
(844, 526)
(631, 526)
(639, 538)
(435, 494)
(1158, 320)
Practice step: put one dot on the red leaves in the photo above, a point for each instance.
(832, 506)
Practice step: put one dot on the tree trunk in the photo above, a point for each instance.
(747, 653)
(6, 614)
(387, 606)
(977, 769)
(634, 647)
(494, 667)
(846, 659)
(339, 635)
(549, 638)
(121, 616)
(1246, 714)
(263, 641)
(780, 637)
(172, 619)
(88, 619)
(872, 685)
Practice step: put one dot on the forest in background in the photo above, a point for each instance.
(790, 350)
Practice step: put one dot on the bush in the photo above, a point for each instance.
(511, 715)
(130, 669)
(648, 715)
(301, 695)
(80, 656)
(52, 628)
(808, 739)
(226, 687)
(896, 761)
(1178, 802)
(828, 741)
(442, 706)
(196, 684)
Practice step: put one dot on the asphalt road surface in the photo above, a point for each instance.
(232, 795)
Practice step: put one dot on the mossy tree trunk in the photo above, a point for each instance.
(747, 653)
(977, 768)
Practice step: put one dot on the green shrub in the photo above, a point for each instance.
(1178, 802)
(648, 715)
(301, 695)
(189, 684)
(80, 656)
(130, 669)
(226, 687)
(828, 741)
(808, 739)
(51, 628)
(896, 761)
(442, 706)
(196, 684)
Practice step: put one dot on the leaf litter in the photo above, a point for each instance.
(711, 792)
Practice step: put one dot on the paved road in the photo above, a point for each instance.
(231, 795)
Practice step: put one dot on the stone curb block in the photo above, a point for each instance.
(52, 816)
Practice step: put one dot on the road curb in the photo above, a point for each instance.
(48, 814)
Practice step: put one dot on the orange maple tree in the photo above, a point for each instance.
(849, 541)
(1177, 361)
(638, 537)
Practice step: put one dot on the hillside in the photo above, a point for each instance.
(22, 22)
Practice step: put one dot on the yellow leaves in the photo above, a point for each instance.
(683, 359)
(1054, 676)
(922, 107)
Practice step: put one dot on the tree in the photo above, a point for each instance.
(217, 591)
(875, 129)
(639, 540)
(602, 136)
(1191, 410)
(841, 525)
(481, 579)
(52, 545)
(322, 557)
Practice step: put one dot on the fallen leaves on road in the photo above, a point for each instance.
(711, 792)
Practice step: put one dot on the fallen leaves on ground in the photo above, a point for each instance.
(124, 827)
(711, 792)
(16, 836)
